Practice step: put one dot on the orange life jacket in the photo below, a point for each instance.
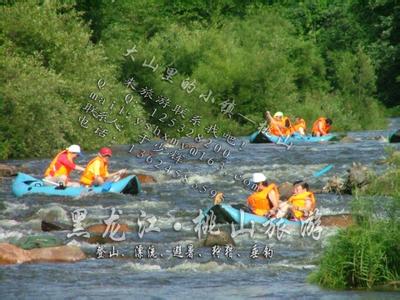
(279, 128)
(88, 175)
(299, 124)
(299, 200)
(259, 201)
(56, 168)
(325, 127)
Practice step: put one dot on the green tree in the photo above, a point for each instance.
(49, 68)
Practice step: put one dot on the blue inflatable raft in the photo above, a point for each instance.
(25, 184)
(226, 213)
(266, 137)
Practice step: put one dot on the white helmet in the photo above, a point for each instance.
(278, 114)
(258, 177)
(74, 149)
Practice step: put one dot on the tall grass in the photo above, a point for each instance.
(366, 255)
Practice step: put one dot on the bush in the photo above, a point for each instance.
(48, 69)
(365, 255)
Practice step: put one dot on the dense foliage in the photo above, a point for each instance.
(311, 59)
(365, 255)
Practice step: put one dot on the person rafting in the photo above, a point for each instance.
(278, 124)
(321, 127)
(62, 165)
(300, 205)
(96, 171)
(299, 126)
(265, 201)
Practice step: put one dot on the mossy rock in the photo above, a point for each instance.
(38, 241)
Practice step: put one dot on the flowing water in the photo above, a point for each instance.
(172, 201)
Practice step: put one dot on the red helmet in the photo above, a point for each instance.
(105, 151)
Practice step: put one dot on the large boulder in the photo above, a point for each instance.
(11, 254)
(57, 254)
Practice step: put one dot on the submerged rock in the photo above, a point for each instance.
(348, 139)
(221, 239)
(11, 254)
(143, 178)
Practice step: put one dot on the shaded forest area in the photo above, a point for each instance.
(73, 71)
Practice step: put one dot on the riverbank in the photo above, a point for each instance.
(366, 255)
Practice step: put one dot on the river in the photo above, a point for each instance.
(172, 201)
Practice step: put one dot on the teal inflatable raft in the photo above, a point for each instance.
(226, 213)
(266, 137)
(25, 184)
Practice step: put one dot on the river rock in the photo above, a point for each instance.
(395, 137)
(285, 190)
(53, 214)
(101, 228)
(381, 138)
(348, 139)
(10, 254)
(335, 184)
(57, 254)
(10, 170)
(342, 220)
(221, 239)
(143, 178)
(358, 176)
(54, 226)
(7, 171)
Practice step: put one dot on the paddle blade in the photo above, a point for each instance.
(323, 171)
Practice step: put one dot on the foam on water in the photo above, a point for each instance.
(6, 235)
(14, 206)
(142, 267)
(9, 223)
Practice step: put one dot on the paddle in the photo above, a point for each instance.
(322, 171)
(58, 186)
